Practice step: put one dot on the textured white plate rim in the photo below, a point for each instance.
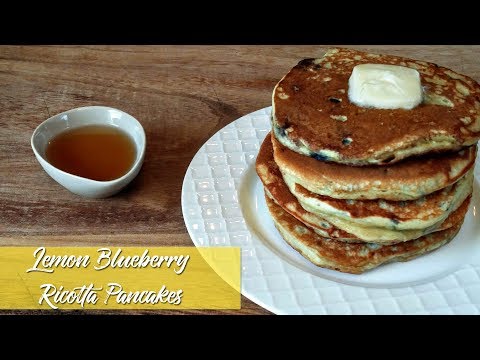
(208, 225)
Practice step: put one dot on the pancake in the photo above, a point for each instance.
(396, 215)
(345, 229)
(277, 190)
(313, 116)
(381, 235)
(351, 258)
(410, 179)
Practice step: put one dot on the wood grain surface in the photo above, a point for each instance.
(182, 95)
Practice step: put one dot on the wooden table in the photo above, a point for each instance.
(181, 94)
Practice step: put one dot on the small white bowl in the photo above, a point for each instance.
(89, 115)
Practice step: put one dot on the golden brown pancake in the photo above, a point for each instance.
(347, 257)
(313, 116)
(410, 179)
(330, 226)
(278, 191)
(398, 215)
(383, 235)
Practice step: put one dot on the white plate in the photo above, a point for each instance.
(223, 205)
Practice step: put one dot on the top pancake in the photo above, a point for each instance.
(313, 116)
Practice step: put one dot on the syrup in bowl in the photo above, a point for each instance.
(96, 152)
(93, 151)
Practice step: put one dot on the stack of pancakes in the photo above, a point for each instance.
(351, 187)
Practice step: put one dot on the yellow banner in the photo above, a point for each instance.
(119, 278)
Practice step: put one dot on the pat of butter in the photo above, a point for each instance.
(385, 86)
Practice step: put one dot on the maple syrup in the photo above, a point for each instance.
(97, 152)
